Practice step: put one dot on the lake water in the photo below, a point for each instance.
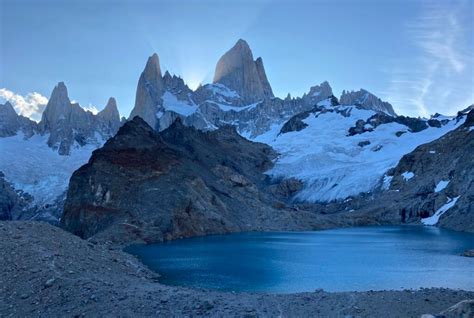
(365, 258)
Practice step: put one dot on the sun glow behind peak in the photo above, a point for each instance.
(193, 80)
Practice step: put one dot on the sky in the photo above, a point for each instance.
(415, 54)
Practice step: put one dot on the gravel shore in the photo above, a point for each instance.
(49, 272)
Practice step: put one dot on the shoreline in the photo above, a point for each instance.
(48, 271)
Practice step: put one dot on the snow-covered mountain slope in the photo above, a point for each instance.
(33, 167)
(332, 163)
(37, 159)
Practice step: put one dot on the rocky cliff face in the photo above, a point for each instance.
(150, 88)
(237, 70)
(11, 203)
(109, 117)
(251, 120)
(152, 91)
(149, 186)
(436, 181)
(366, 100)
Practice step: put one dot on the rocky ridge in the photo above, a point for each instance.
(428, 179)
(240, 95)
(366, 100)
(149, 186)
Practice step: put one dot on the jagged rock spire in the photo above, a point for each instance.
(366, 100)
(152, 69)
(267, 89)
(58, 107)
(110, 115)
(150, 88)
(237, 70)
(110, 110)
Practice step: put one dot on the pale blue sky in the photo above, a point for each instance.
(415, 54)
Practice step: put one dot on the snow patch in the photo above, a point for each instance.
(407, 175)
(387, 180)
(172, 103)
(432, 151)
(325, 103)
(227, 108)
(441, 185)
(433, 220)
(30, 165)
(220, 89)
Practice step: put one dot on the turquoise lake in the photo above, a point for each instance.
(364, 258)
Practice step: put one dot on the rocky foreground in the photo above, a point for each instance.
(49, 272)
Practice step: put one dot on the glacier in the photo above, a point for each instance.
(332, 164)
(33, 167)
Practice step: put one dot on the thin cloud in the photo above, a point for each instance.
(439, 77)
(31, 105)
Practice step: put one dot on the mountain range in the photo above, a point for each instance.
(235, 147)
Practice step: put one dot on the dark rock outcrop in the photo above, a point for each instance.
(468, 253)
(413, 124)
(296, 122)
(149, 186)
(10, 202)
(359, 128)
